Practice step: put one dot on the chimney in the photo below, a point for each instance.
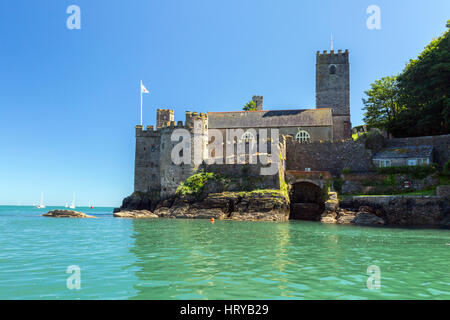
(259, 102)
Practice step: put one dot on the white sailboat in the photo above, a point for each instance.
(67, 205)
(41, 205)
(72, 205)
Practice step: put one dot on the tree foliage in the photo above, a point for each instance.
(381, 105)
(250, 106)
(417, 101)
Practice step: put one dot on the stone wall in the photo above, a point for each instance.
(373, 183)
(440, 143)
(328, 156)
(147, 160)
(404, 211)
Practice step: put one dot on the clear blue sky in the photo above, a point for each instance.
(69, 99)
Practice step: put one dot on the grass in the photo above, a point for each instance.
(430, 192)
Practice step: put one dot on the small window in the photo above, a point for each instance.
(302, 136)
(153, 148)
(332, 69)
(412, 162)
(385, 163)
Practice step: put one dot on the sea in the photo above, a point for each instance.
(114, 258)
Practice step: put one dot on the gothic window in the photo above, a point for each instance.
(332, 69)
(248, 135)
(302, 136)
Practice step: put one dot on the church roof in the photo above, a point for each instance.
(268, 119)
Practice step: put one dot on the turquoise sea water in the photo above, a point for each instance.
(194, 259)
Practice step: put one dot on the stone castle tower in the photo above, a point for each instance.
(154, 170)
(163, 116)
(333, 89)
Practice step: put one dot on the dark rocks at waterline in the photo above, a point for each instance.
(251, 206)
(138, 201)
(66, 214)
(391, 211)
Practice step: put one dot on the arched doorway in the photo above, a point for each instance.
(307, 201)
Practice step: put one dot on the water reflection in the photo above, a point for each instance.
(194, 259)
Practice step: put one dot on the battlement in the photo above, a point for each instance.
(194, 116)
(332, 57)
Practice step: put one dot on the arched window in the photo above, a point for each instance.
(247, 135)
(302, 136)
(332, 69)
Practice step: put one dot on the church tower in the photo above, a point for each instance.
(333, 89)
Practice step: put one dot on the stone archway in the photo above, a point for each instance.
(307, 201)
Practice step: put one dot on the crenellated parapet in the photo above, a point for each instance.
(191, 117)
(330, 57)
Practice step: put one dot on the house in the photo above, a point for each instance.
(403, 156)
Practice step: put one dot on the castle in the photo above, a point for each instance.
(329, 121)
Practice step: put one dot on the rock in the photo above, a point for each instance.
(139, 201)
(368, 219)
(345, 216)
(443, 191)
(446, 223)
(328, 217)
(135, 214)
(366, 209)
(332, 204)
(265, 205)
(66, 214)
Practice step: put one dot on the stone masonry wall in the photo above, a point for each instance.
(328, 156)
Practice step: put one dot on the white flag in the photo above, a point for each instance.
(143, 89)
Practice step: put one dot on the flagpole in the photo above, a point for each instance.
(140, 88)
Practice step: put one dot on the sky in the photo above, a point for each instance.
(69, 99)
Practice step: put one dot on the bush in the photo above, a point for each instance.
(346, 171)
(194, 184)
(416, 172)
(446, 171)
(337, 185)
(373, 140)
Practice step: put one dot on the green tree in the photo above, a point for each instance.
(250, 106)
(424, 90)
(417, 101)
(381, 104)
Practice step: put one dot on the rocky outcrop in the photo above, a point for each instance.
(135, 214)
(139, 201)
(443, 191)
(264, 205)
(66, 214)
(392, 211)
